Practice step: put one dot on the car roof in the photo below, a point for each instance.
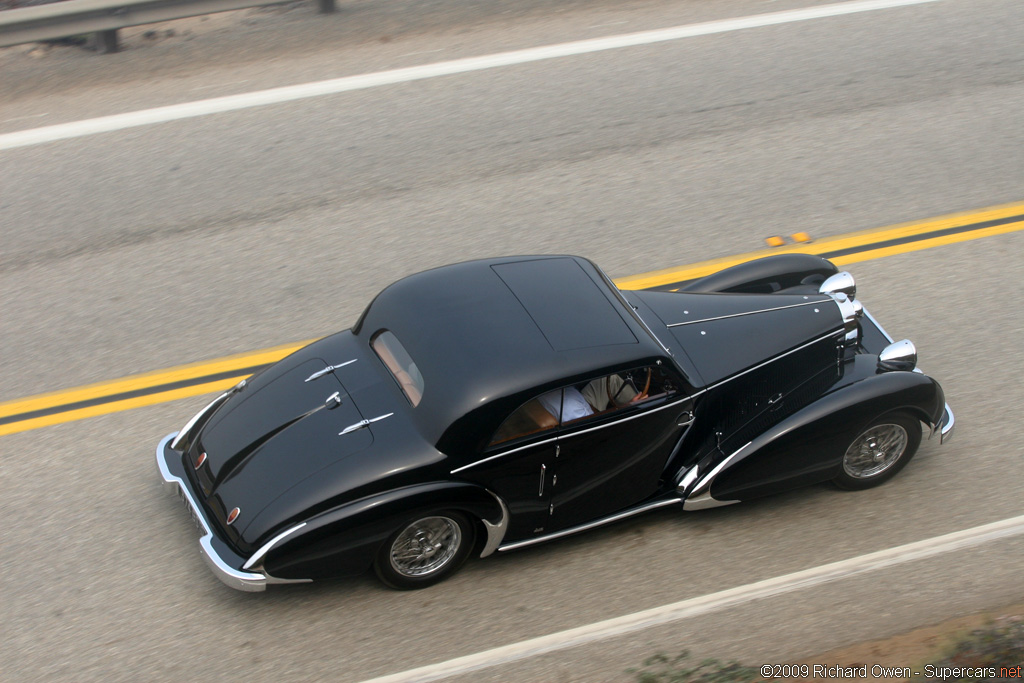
(483, 333)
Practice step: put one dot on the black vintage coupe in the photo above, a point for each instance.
(490, 405)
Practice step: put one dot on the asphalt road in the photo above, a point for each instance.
(135, 250)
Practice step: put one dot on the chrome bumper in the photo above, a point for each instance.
(946, 425)
(239, 580)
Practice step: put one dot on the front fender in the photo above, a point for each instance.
(808, 446)
(345, 540)
(767, 275)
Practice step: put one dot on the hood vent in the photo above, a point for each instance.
(329, 368)
(361, 424)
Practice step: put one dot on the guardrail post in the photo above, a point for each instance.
(105, 42)
(325, 6)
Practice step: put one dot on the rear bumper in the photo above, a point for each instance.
(217, 558)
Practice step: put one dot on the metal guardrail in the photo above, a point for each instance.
(102, 18)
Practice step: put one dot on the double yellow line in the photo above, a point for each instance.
(136, 391)
(864, 245)
(184, 381)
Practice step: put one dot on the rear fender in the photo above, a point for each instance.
(346, 539)
(767, 275)
(808, 447)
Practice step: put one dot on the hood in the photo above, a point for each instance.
(725, 334)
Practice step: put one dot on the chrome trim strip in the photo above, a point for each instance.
(833, 333)
(362, 423)
(590, 525)
(258, 555)
(738, 315)
(630, 417)
(495, 531)
(704, 501)
(649, 330)
(582, 431)
(633, 310)
(503, 454)
(700, 497)
(274, 579)
(239, 580)
(329, 368)
(688, 478)
(195, 418)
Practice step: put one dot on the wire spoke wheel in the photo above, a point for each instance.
(426, 546)
(875, 451)
(880, 451)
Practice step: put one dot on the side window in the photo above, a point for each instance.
(576, 402)
(533, 416)
(621, 389)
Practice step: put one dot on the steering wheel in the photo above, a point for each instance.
(640, 395)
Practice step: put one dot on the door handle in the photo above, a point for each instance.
(543, 476)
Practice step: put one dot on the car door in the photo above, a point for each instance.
(517, 466)
(616, 458)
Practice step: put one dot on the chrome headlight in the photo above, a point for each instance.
(901, 355)
(840, 282)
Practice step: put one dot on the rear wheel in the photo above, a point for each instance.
(879, 451)
(425, 551)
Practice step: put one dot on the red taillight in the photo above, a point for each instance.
(200, 460)
(233, 515)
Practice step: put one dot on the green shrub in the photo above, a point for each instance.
(661, 669)
(996, 646)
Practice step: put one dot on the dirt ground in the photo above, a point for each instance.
(913, 649)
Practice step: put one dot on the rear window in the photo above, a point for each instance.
(394, 356)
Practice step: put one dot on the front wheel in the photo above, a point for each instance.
(880, 451)
(425, 551)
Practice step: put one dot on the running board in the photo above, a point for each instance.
(664, 502)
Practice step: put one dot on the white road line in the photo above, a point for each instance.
(144, 117)
(713, 602)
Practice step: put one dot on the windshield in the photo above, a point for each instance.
(394, 356)
(632, 309)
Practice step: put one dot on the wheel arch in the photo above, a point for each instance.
(345, 540)
(808, 446)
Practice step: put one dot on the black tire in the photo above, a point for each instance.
(426, 550)
(879, 451)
